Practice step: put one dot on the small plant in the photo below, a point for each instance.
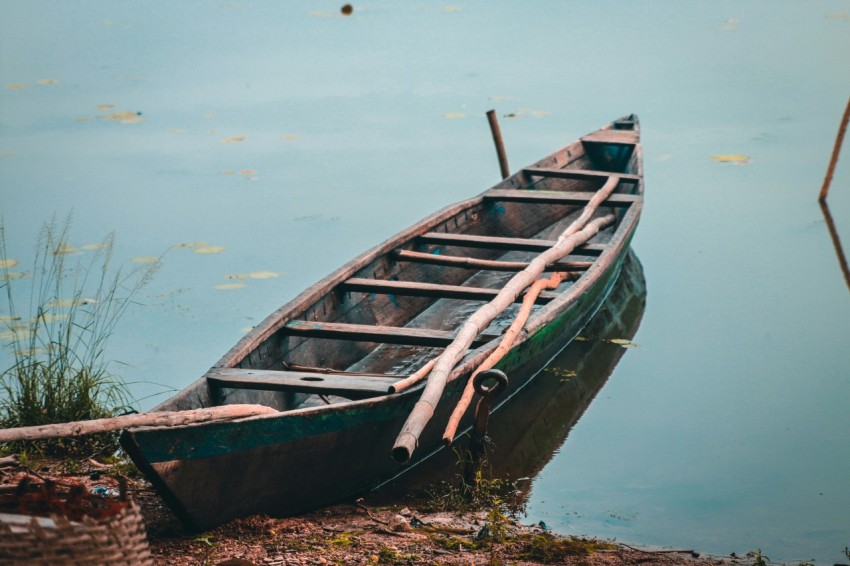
(59, 372)
(759, 558)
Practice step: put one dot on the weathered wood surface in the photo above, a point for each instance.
(559, 197)
(416, 289)
(422, 412)
(382, 334)
(171, 418)
(612, 137)
(536, 288)
(351, 385)
(587, 174)
(519, 244)
(485, 264)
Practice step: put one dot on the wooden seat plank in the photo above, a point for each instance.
(613, 137)
(382, 334)
(352, 386)
(487, 264)
(416, 289)
(586, 174)
(497, 242)
(558, 197)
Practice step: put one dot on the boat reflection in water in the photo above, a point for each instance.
(525, 432)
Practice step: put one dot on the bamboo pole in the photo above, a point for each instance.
(414, 378)
(500, 146)
(510, 335)
(839, 139)
(573, 236)
(164, 418)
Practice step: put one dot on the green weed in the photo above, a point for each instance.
(59, 371)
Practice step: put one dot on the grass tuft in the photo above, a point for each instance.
(59, 371)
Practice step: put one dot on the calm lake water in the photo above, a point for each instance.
(295, 138)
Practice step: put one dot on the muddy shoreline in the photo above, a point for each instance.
(353, 533)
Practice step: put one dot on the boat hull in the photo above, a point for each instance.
(300, 460)
(305, 456)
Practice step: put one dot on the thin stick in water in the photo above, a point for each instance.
(834, 159)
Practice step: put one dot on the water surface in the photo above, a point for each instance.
(725, 430)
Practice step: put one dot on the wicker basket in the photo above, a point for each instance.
(118, 539)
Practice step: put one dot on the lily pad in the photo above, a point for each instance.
(264, 274)
(16, 86)
(93, 247)
(290, 137)
(9, 318)
(12, 275)
(731, 158)
(7, 263)
(453, 115)
(190, 246)
(210, 250)
(233, 139)
(65, 249)
(230, 286)
(145, 259)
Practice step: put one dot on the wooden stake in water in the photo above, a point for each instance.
(500, 146)
(838, 141)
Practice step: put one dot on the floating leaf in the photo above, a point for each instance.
(105, 107)
(264, 274)
(290, 138)
(453, 115)
(8, 318)
(124, 117)
(66, 303)
(237, 276)
(7, 263)
(233, 139)
(730, 24)
(228, 172)
(145, 259)
(85, 119)
(731, 158)
(209, 250)
(230, 286)
(248, 172)
(191, 245)
(12, 275)
(839, 16)
(65, 249)
(49, 317)
(16, 86)
(622, 342)
(93, 247)
(47, 82)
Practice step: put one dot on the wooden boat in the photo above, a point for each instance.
(327, 361)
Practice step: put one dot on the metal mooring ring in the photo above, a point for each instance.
(484, 390)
